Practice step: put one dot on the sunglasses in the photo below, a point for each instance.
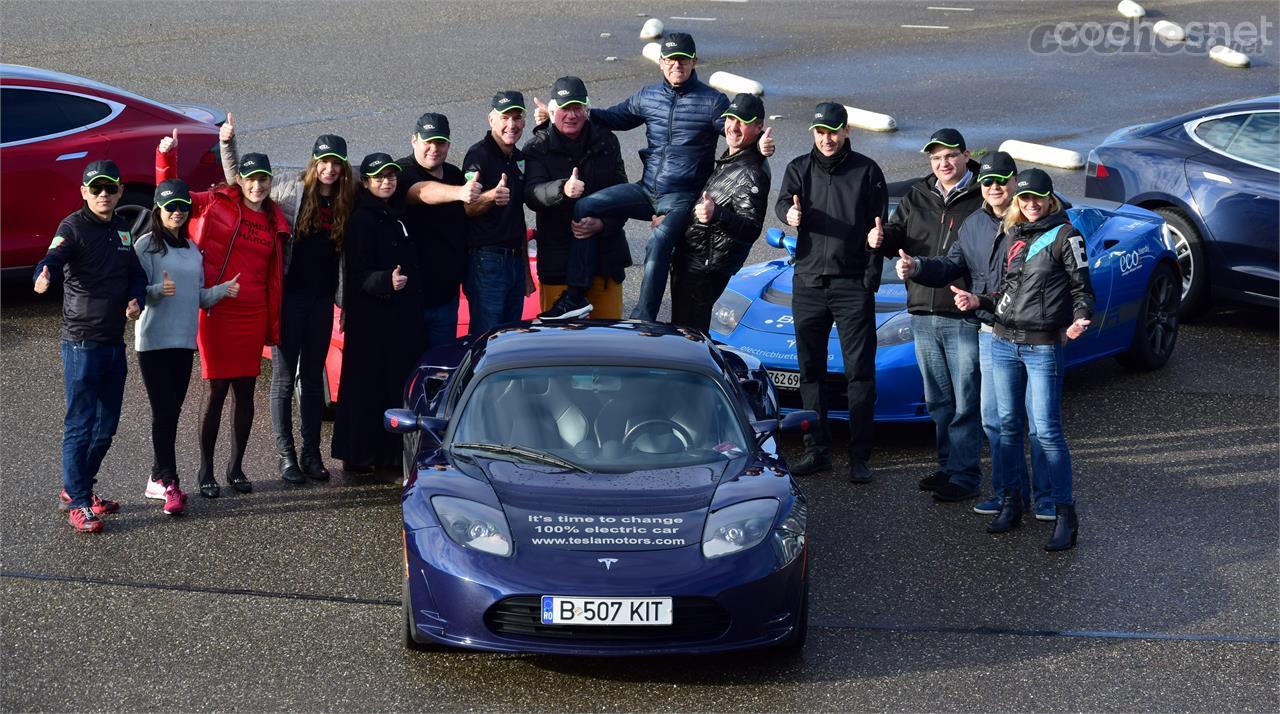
(177, 206)
(111, 188)
(994, 180)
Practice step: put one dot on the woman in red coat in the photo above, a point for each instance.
(240, 233)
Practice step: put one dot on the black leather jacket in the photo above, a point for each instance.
(739, 186)
(1046, 283)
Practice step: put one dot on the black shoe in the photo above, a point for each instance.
(935, 481)
(313, 466)
(1065, 528)
(811, 463)
(950, 493)
(567, 306)
(209, 488)
(859, 472)
(1010, 515)
(289, 469)
(358, 470)
(237, 480)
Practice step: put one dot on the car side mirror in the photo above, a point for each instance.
(774, 236)
(406, 421)
(799, 421)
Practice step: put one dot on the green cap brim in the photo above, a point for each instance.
(744, 121)
(334, 154)
(679, 54)
(174, 200)
(828, 127)
(256, 171)
(925, 150)
(1006, 177)
(571, 101)
(435, 137)
(103, 177)
(509, 109)
(1025, 191)
(384, 167)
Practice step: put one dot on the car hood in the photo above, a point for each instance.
(768, 286)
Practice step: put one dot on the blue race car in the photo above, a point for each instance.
(1135, 280)
(599, 488)
(1214, 176)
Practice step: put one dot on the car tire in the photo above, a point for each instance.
(1156, 331)
(794, 643)
(135, 207)
(407, 629)
(1188, 248)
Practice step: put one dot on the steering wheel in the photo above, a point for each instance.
(647, 425)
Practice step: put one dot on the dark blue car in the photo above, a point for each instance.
(599, 488)
(1214, 176)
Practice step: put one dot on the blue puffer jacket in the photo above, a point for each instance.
(682, 125)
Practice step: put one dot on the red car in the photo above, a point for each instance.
(52, 124)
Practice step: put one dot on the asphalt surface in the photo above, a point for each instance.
(287, 599)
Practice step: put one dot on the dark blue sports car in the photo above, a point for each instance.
(1214, 176)
(599, 488)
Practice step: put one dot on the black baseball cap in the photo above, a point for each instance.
(1033, 181)
(997, 164)
(101, 170)
(251, 164)
(569, 90)
(830, 115)
(432, 127)
(747, 108)
(949, 138)
(171, 190)
(679, 44)
(376, 163)
(329, 145)
(507, 100)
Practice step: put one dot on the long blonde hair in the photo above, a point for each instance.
(1013, 216)
(343, 201)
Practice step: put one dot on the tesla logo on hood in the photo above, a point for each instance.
(608, 562)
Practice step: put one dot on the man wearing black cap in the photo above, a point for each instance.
(568, 159)
(727, 218)
(434, 195)
(103, 286)
(926, 224)
(497, 277)
(832, 196)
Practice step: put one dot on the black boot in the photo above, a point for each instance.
(1010, 515)
(313, 466)
(289, 469)
(811, 463)
(1064, 529)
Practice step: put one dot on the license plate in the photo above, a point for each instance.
(785, 380)
(560, 610)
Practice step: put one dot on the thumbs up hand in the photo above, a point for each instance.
(501, 194)
(767, 146)
(875, 236)
(965, 300)
(470, 191)
(573, 186)
(233, 286)
(907, 266)
(398, 281)
(705, 209)
(540, 112)
(793, 213)
(167, 285)
(227, 131)
(133, 310)
(42, 282)
(168, 142)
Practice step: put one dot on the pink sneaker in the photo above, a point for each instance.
(175, 501)
(100, 505)
(85, 520)
(155, 490)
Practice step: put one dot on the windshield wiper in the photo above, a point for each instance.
(523, 452)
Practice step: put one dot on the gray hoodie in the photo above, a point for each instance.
(170, 322)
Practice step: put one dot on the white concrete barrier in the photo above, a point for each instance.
(871, 121)
(1170, 31)
(652, 51)
(1231, 58)
(1131, 9)
(1043, 155)
(732, 84)
(652, 29)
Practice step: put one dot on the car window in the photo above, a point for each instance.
(605, 418)
(29, 113)
(1258, 140)
(1218, 133)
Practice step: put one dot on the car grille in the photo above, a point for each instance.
(693, 619)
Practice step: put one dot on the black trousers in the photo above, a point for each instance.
(815, 304)
(693, 295)
(166, 374)
(306, 323)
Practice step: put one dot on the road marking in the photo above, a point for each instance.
(699, 19)
(951, 9)
(727, 0)
(927, 27)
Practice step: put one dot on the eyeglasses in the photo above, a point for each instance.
(111, 188)
(384, 178)
(177, 206)
(994, 180)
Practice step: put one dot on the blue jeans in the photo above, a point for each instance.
(1038, 489)
(441, 323)
(947, 352)
(633, 200)
(93, 374)
(495, 288)
(1028, 381)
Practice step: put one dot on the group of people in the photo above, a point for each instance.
(264, 259)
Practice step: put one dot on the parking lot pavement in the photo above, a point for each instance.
(286, 599)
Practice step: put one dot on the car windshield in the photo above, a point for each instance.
(600, 419)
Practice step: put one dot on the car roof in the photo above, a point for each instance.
(35, 74)
(623, 342)
(1269, 102)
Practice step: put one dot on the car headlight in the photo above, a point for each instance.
(895, 331)
(473, 525)
(788, 537)
(738, 527)
(728, 312)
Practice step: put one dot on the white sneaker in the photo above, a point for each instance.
(155, 490)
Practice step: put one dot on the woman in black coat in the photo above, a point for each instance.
(383, 330)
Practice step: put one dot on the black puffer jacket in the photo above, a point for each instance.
(739, 186)
(550, 158)
(1046, 283)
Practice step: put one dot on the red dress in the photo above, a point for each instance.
(231, 334)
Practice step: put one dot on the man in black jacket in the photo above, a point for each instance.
(565, 160)
(727, 218)
(833, 196)
(926, 224)
(103, 287)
